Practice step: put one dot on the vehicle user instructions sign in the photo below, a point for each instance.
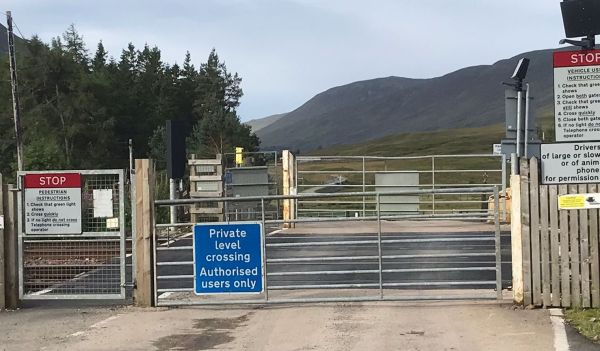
(228, 258)
(52, 203)
(577, 95)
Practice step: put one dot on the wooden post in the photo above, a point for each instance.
(2, 252)
(515, 233)
(293, 187)
(11, 271)
(534, 229)
(144, 230)
(285, 162)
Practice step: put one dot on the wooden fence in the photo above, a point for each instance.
(560, 265)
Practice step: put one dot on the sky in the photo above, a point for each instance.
(287, 51)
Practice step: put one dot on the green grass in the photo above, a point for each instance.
(587, 322)
(443, 142)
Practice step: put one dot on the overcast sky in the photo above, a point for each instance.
(287, 51)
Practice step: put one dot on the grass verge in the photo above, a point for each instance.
(586, 321)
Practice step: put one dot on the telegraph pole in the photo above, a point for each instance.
(15, 92)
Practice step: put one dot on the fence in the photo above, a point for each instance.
(559, 248)
(329, 174)
(373, 274)
(89, 265)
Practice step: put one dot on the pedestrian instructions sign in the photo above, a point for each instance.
(577, 95)
(228, 258)
(52, 203)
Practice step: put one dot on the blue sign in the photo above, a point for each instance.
(228, 258)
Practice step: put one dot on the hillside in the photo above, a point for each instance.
(19, 43)
(361, 111)
(260, 123)
(462, 141)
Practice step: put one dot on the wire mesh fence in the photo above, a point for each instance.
(72, 267)
(87, 265)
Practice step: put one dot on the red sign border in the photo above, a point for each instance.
(32, 180)
(562, 59)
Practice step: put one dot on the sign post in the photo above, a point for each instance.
(53, 203)
(228, 258)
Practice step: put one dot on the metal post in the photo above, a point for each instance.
(498, 250)
(172, 196)
(130, 143)
(264, 248)
(519, 112)
(433, 183)
(364, 187)
(526, 119)
(379, 247)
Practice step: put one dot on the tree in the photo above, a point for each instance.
(219, 129)
(80, 109)
(220, 132)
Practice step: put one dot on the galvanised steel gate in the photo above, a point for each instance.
(331, 174)
(373, 258)
(88, 265)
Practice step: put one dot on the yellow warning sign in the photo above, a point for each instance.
(579, 201)
(239, 156)
(571, 202)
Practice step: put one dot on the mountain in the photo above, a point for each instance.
(365, 110)
(260, 123)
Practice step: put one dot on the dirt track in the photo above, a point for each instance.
(372, 326)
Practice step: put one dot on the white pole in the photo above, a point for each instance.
(526, 119)
(172, 196)
(519, 112)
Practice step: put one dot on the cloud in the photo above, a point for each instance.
(289, 50)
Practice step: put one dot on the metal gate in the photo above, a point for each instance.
(331, 174)
(365, 258)
(258, 174)
(87, 265)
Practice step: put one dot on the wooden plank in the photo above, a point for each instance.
(2, 252)
(565, 268)
(584, 253)
(144, 197)
(594, 242)
(534, 228)
(285, 162)
(545, 246)
(515, 240)
(525, 233)
(554, 244)
(574, 257)
(11, 247)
